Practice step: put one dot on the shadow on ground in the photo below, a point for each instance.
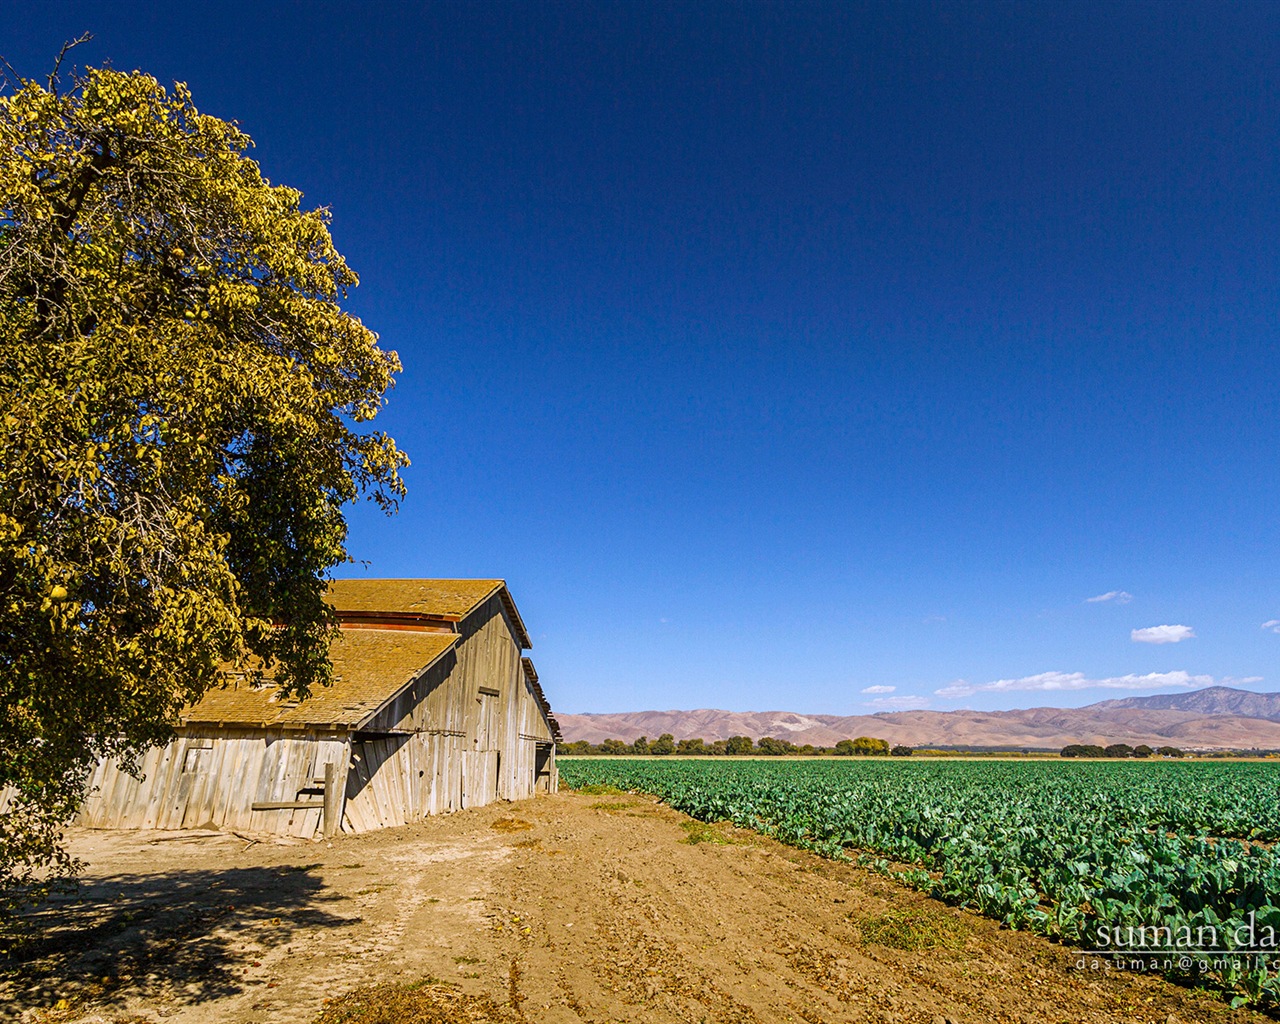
(175, 931)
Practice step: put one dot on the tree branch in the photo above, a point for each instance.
(84, 37)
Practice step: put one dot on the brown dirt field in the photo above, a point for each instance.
(569, 908)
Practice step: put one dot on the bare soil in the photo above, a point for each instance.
(568, 908)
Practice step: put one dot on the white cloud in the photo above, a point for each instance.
(1114, 596)
(879, 689)
(1048, 682)
(1272, 624)
(1162, 634)
(898, 703)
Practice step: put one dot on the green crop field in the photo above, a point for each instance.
(1087, 853)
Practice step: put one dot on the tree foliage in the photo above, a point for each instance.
(663, 745)
(181, 407)
(863, 746)
(739, 745)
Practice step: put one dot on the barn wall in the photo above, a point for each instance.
(396, 779)
(479, 746)
(527, 728)
(209, 778)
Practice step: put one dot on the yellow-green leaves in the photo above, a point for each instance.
(180, 400)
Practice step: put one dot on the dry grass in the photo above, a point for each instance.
(915, 930)
(511, 825)
(612, 805)
(701, 832)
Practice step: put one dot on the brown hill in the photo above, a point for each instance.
(1117, 721)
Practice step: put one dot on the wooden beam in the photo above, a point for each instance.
(331, 816)
(337, 786)
(421, 622)
(286, 805)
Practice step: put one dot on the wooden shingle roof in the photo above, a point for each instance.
(370, 667)
(445, 600)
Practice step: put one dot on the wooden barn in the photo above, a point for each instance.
(432, 709)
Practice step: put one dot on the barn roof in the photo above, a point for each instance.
(370, 667)
(449, 600)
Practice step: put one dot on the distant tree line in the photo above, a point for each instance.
(1118, 750)
(864, 746)
(768, 746)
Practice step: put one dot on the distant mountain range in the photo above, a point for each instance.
(1216, 717)
(1214, 700)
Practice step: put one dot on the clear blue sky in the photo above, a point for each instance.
(777, 352)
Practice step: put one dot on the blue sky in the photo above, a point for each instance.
(776, 353)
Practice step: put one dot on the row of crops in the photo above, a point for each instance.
(1125, 857)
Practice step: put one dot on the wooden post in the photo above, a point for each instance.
(331, 816)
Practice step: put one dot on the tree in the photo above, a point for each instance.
(1142, 750)
(641, 745)
(614, 747)
(870, 746)
(774, 747)
(692, 747)
(1090, 750)
(663, 745)
(1118, 750)
(901, 750)
(738, 745)
(182, 400)
(1170, 752)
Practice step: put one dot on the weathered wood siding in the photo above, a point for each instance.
(210, 778)
(463, 735)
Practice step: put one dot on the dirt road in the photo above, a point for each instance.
(571, 908)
